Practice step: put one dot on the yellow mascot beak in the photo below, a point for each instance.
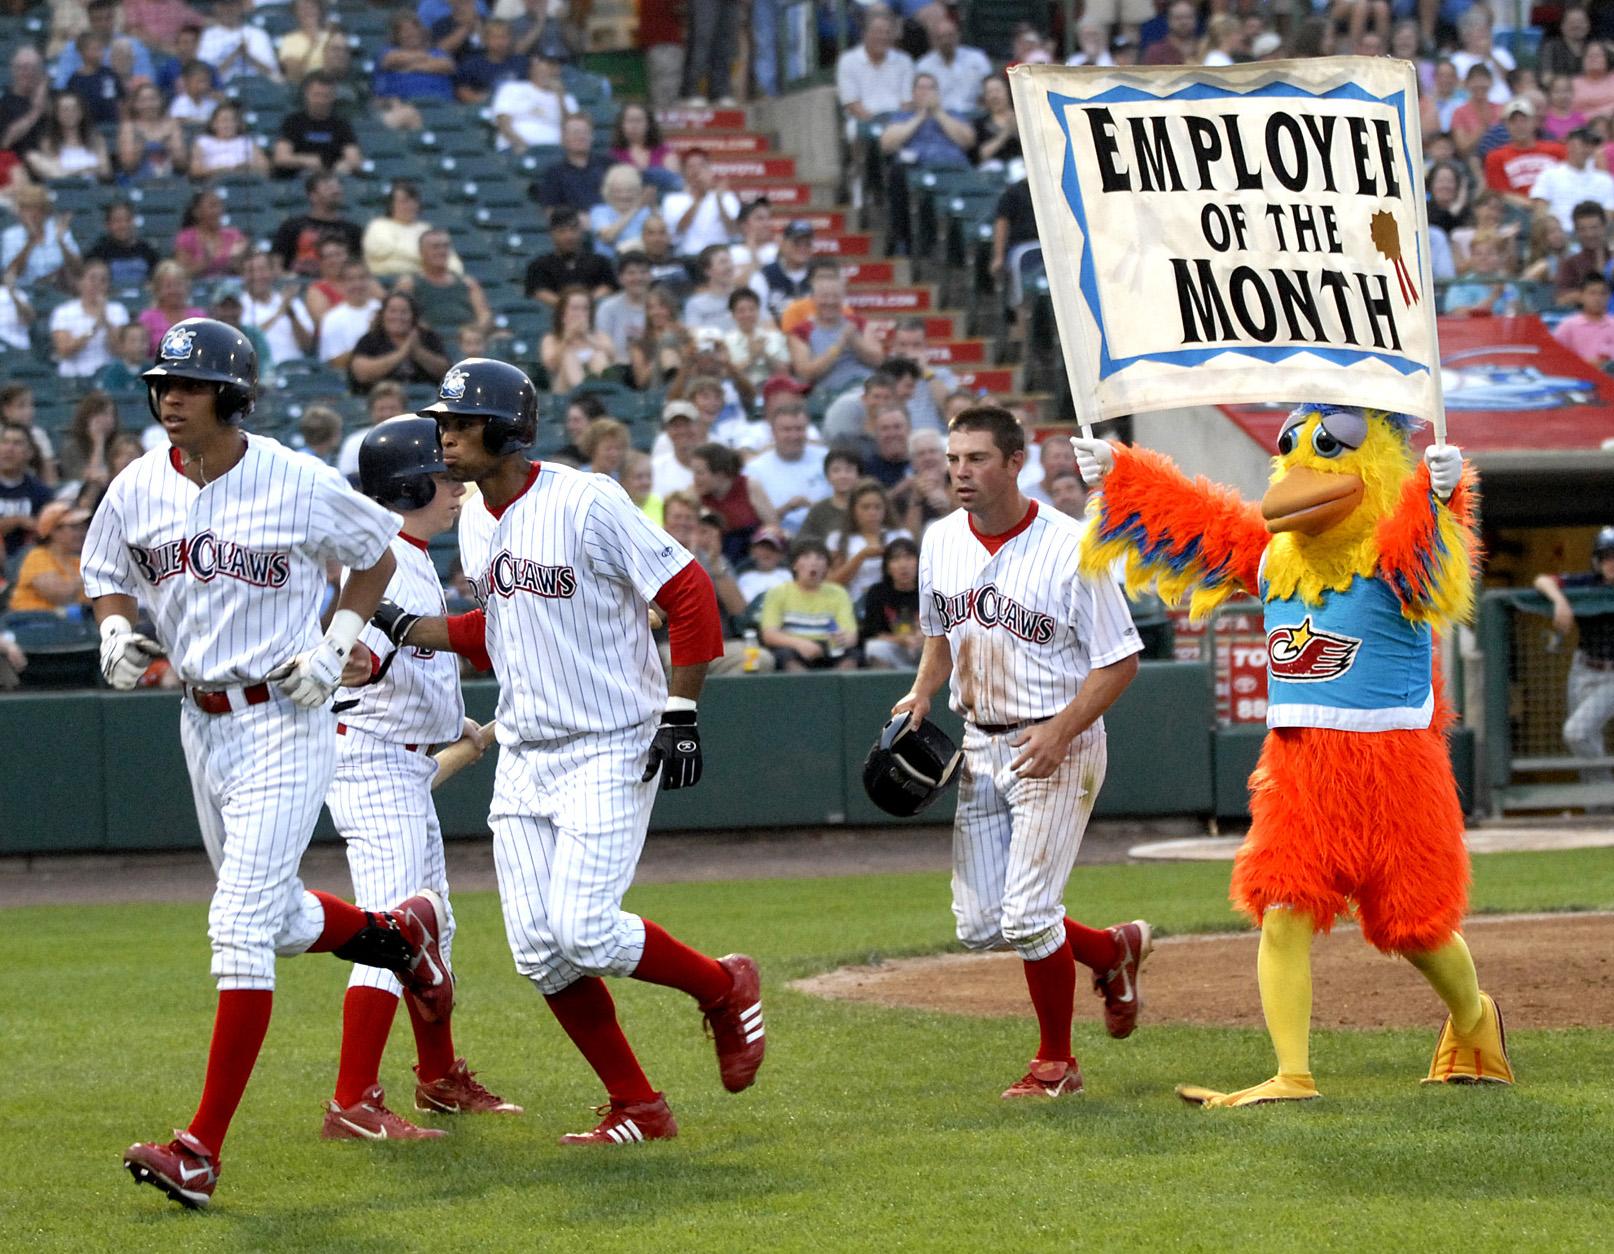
(1310, 502)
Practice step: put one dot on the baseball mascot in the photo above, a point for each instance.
(1359, 555)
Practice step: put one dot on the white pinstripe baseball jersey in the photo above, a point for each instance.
(418, 700)
(232, 573)
(564, 572)
(1024, 626)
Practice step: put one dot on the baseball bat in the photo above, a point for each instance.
(454, 758)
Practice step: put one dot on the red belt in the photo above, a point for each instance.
(342, 729)
(227, 700)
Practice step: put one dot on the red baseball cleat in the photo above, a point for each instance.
(459, 1093)
(626, 1123)
(368, 1119)
(736, 1024)
(1119, 985)
(1047, 1079)
(420, 919)
(185, 1169)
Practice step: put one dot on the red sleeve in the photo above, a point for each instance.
(1495, 176)
(694, 628)
(468, 636)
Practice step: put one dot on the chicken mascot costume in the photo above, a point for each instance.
(1359, 554)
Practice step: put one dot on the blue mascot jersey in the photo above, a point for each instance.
(1352, 663)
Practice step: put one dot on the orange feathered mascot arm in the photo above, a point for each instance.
(1429, 553)
(1185, 537)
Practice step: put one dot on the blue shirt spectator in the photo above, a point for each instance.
(484, 70)
(430, 12)
(411, 69)
(928, 135)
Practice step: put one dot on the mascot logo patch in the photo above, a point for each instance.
(454, 385)
(176, 345)
(1306, 654)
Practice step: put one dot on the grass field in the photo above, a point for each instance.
(868, 1128)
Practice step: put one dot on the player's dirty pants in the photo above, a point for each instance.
(1591, 706)
(259, 776)
(381, 803)
(569, 819)
(1015, 842)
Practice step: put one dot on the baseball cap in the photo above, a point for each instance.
(799, 228)
(782, 383)
(770, 535)
(1520, 104)
(711, 518)
(58, 513)
(673, 410)
(1265, 44)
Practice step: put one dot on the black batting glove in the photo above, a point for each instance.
(675, 751)
(394, 621)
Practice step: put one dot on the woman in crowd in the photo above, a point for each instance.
(86, 450)
(326, 291)
(1549, 245)
(392, 241)
(637, 141)
(723, 488)
(397, 347)
(659, 354)
(1224, 36)
(1490, 219)
(1593, 87)
(1448, 203)
(302, 51)
(151, 145)
(80, 330)
(856, 550)
(997, 132)
(574, 351)
(225, 148)
(49, 579)
(1471, 120)
(758, 246)
(757, 351)
(621, 215)
(605, 447)
(171, 302)
(205, 246)
(71, 147)
(1561, 117)
(890, 628)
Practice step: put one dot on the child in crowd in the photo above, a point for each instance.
(1589, 334)
(767, 569)
(1487, 289)
(129, 360)
(809, 623)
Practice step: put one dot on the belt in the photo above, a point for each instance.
(999, 729)
(1598, 663)
(228, 700)
(342, 730)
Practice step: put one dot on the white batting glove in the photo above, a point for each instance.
(311, 679)
(1094, 458)
(125, 653)
(1445, 462)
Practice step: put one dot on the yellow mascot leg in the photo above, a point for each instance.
(1472, 1046)
(1284, 970)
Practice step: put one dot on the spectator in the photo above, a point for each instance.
(39, 248)
(701, 533)
(831, 351)
(1594, 85)
(26, 103)
(1474, 36)
(724, 489)
(94, 83)
(621, 315)
(529, 112)
(855, 551)
(1490, 218)
(1512, 169)
(890, 629)
(997, 131)
(397, 347)
(1561, 116)
(705, 212)
(667, 269)
(224, 147)
(1439, 103)
(128, 257)
(171, 303)
(755, 351)
(297, 240)
(605, 446)
(1473, 120)
(885, 454)
(344, 325)
(628, 204)
(319, 433)
(767, 570)
(1592, 255)
(852, 415)
(169, 68)
(638, 481)
(569, 265)
(205, 246)
(316, 137)
(575, 351)
(934, 383)
(1590, 699)
(151, 144)
(1069, 493)
(927, 136)
(1224, 36)
(576, 180)
(16, 316)
(449, 302)
(1056, 457)
(1180, 46)
(725, 398)
(197, 96)
(386, 399)
(1486, 289)
(1028, 46)
(353, 92)
(1549, 247)
(790, 473)
(959, 71)
(71, 147)
(1573, 181)
(757, 246)
(125, 448)
(785, 278)
(327, 289)
(709, 53)
(580, 411)
(129, 361)
(49, 578)
(410, 69)
(17, 410)
(392, 241)
(637, 141)
(926, 494)
(484, 70)
(89, 439)
(22, 495)
(276, 311)
(235, 49)
(674, 471)
(302, 49)
(1562, 54)
(658, 354)
(808, 623)
(874, 78)
(1092, 44)
(714, 281)
(1448, 198)
(100, 20)
(1589, 334)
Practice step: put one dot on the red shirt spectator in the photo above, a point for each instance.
(1513, 168)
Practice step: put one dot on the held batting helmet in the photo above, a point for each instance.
(397, 460)
(910, 766)
(204, 348)
(480, 387)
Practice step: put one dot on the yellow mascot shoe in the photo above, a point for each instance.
(1480, 1057)
(1280, 1088)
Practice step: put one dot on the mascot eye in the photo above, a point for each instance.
(1286, 441)
(1325, 444)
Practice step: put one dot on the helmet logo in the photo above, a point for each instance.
(454, 385)
(176, 345)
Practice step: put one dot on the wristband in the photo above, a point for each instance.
(115, 625)
(680, 703)
(344, 631)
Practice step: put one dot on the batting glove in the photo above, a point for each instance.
(394, 621)
(676, 750)
(1445, 462)
(1094, 458)
(125, 653)
(311, 679)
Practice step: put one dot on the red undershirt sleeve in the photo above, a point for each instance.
(694, 628)
(468, 637)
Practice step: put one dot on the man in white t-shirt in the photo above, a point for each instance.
(235, 49)
(874, 77)
(530, 111)
(671, 471)
(344, 325)
(959, 71)
(1559, 188)
(706, 212)
(280, 316)
(791, 475)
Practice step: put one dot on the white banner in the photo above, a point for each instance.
(1234, 234)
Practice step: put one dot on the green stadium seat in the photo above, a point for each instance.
(62, 652)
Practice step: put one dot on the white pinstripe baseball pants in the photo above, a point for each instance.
(1015, 842)
(381, 803)
(258, 777)
(569, 820)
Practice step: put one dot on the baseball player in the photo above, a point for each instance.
(563, 565)
(1036, 654)
(224, 538)
(380, 800)
(1591, 671)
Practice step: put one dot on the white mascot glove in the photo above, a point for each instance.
(1094, 458)
(1445, 462)
(125, 653)
(311, 678)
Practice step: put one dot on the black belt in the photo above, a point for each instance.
(1598, 663)
(999, 729)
